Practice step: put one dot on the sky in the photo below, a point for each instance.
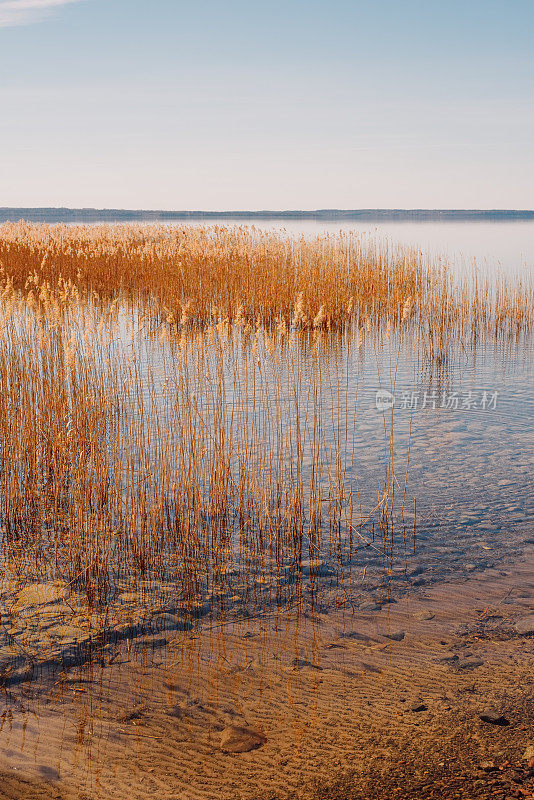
(241, 104)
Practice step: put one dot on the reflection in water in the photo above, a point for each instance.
(193, 513)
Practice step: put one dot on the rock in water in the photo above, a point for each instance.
(396, 636)
(235, 739)
(493, 717)
(300, 663)
(39, 594)
(525, 625)
(314, 566)
(417, 706)
(424, 615)
(370, 607)
(469, 663)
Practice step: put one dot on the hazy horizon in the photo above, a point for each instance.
(356, 213)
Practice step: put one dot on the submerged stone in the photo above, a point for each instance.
(525, 625)
(494, 717)
(424, 615)
(300, 663)
(39, 594)
(395, 636)
(236, 739)
(315, 566)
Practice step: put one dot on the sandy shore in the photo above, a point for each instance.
(432, 697)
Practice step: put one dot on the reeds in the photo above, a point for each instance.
(181, 455)
(198, 275)
(174, 402)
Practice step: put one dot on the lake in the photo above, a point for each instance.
(227, 533)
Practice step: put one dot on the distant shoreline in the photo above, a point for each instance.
(82, 215)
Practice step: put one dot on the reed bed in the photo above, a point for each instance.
(181, 456)
(196, 276)
(174, 402)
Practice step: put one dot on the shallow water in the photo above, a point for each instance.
(489, 247)
(460, 438)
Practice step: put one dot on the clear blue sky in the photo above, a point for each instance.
(241, 104)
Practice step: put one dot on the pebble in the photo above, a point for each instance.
(169, 622)
(314, 566)
(525, 625)
(38, 594)
(468, 663)
(235, 739)
(449, 659)
(359, 637)
(302, 662)
(424, 615)
(494, 717)
(395, 636)
(418, 706)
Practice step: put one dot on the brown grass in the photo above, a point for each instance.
(198, 275)
(169, 407)
(182, 455)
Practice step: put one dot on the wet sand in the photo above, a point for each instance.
(432, 697)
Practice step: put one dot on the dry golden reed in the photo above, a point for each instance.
(198, 274)
(170, 407)
(129, 453)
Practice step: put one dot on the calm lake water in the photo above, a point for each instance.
(464, 502)
(488, 246)
(474, 500)
(461, 440)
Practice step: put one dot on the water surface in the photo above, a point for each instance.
(456, 438)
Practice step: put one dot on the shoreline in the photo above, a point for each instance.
(339, 699)
(56, 215)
